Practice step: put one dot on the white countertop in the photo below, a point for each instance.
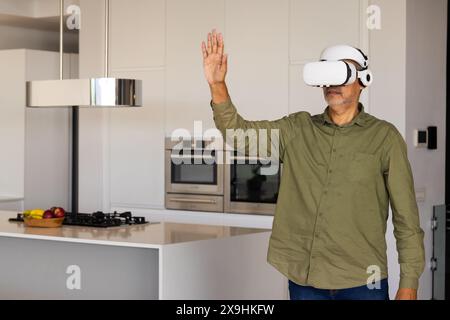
(202, 217)
(154, 235)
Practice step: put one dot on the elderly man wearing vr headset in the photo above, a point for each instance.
(341, 169)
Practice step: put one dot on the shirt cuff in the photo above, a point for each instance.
(408, 283)
(220, 106)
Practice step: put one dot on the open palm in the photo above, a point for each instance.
(214, 59)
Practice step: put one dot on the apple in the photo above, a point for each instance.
(48, 214)
(59, 213)
(52, 209)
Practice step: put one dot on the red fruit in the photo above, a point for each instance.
(59, 213)
(48, 215)
(53, 209)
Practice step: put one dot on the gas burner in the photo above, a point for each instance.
(98, 219)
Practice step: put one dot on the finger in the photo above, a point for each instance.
(224, 64)
(205, 53)
(209, 49)
(214, 41)
(221, 47)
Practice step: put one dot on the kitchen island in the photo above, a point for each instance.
(160, 260)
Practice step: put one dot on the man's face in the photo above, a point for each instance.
(343, 95)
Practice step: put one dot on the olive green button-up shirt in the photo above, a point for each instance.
(337, 182)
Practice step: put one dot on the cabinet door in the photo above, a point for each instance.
(137, 34)
(187, 93)
(7, 204)
(136, 154)
(257, 39)
(315, 25)
(12, 123)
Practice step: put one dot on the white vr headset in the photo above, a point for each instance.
(333, 71)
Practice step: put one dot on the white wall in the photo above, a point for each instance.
(408, 57)
(426, 106)
(269, 42)
(387, 99)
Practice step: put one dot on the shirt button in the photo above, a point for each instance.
(334, 149)
(330, 171)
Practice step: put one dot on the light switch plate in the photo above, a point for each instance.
(420, 194)
(420, 138)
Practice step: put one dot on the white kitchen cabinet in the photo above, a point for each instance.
(310, 32)
(158, 41)
(122, 150)
(257, 40)
(187, 93)
(163, 261)
(317, 24)
(137, 34)
(34, 143)
(257, 44)
(136, 146)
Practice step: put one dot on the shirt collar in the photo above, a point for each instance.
(360, 118)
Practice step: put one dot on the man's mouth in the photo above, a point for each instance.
(333, 92)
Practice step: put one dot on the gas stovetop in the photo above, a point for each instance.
(98, 219)
(103, 220)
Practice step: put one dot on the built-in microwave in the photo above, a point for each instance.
(194, 176)
(251, 185)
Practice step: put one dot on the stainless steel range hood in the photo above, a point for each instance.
(96, 92)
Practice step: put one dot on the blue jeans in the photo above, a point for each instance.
(298, 292)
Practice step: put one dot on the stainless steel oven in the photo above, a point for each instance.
(251, 185)
(194, 176)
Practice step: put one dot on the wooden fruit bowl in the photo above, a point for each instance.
(43, 223)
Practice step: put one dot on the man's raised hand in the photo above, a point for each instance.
(214, 59)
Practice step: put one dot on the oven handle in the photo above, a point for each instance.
(193, 200)
(172, 156)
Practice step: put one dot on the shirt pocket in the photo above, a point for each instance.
(363, 167)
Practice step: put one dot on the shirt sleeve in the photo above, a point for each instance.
(247, 135)
(405, 214)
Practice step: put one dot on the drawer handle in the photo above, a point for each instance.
(257, 159)
(193, 200)
(248, 158)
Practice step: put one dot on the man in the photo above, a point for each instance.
(341, 169)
